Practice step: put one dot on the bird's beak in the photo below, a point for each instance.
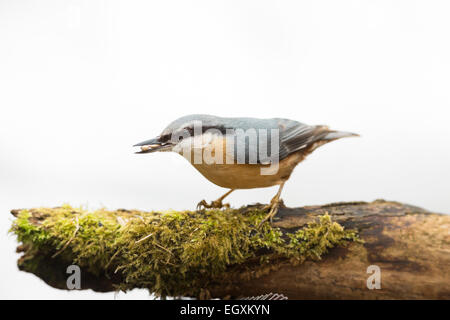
(153, 145)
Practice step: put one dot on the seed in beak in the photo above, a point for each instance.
(148, 147)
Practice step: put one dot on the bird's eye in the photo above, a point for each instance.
(180, 138)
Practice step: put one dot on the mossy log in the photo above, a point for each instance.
(305, 254)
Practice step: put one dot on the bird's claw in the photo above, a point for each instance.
(201, 204)
(273, 206)
(279, 203)
(217, 204)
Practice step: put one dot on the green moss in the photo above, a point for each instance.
(28, 232)
(171, 253)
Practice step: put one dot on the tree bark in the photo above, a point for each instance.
(409, 245)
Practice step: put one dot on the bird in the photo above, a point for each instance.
(242, 153)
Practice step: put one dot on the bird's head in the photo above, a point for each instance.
(181, 132)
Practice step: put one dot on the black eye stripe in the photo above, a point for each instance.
(164, 138)
(205, 128)
(190, 130)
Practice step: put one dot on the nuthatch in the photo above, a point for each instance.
(242, 153)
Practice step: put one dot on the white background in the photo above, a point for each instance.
(82, 81)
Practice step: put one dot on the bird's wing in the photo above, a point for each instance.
(292, 136)
(295, 136)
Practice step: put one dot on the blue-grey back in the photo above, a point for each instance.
(274, 138)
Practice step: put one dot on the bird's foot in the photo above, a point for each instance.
(217, 204)
(273, 206)
(272, 203)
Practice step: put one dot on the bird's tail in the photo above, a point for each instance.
(324, 135)
(334, 135)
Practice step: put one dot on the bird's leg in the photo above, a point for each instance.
(274, 205)
(215, 204)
